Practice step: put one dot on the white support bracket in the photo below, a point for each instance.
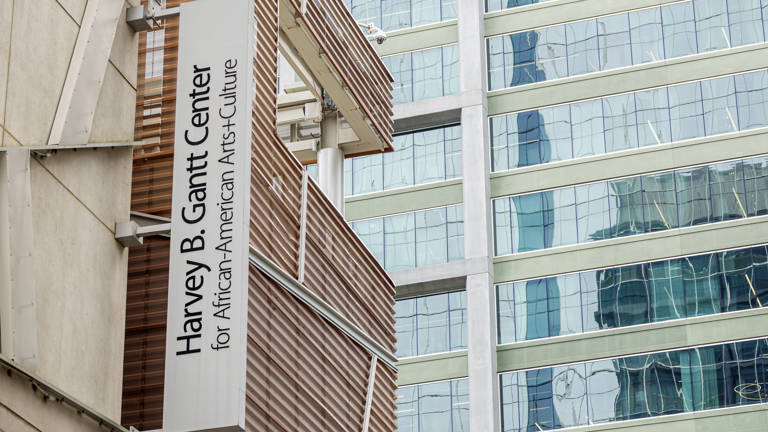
(142, 19)
(131, 234)
(82, 86)
(369, 394)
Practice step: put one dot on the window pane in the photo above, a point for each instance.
(455, 218)
(499, 149)
(536, 388)
(450, 69)
(513, 410)
(398, 165)
(395, 14)
(527, 223)
(531, 310)
(427, 74)
(407, 409)
(505, 307)
(660, 201)
(587, 128)
(652, 117)
(693, 195)
(525, 69)
(453, 159)
(371, 232)
(425, 12)
(668, 294)
(646, 34)
(719, 100)
(593, 212)
(433, 324)
(405, 328)
(686, 111)
(460, 405)
(569, 388)
(367, 172)
(559, 208)
(448, 9)
(756, 179)
(554, 133)
(744, 17)
(582, 47)
(458, 318)
(602, 390)
(744, 273)
(615, 49)
(679, 30)
(711, 25)
(523, 136)
(400, 68)
(752, 99)
(495, 63)
(626, 200)
(429, 154)
(726, 183)
(589, 300)
(502, 228)
(348, 176)
(567, 290)
(620, 122)
(701, 278)
(431, 237)
(551, 52)
(435, 407)
(399, 242)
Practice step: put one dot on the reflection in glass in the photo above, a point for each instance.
(424, 74)
(396, 14)
(415, 239)
(636, 37)
(419, 157)
(634, 294)
(431, 324)
(646, 385)
(433, 407)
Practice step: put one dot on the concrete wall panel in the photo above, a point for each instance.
(81, 276)
(75, 8)
(42, 40)
(109, 168)
(115, 110)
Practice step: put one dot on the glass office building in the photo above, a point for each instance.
(576, 213)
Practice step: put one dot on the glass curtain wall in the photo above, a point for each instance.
(628, 121)
(431, 324)
(433, 407)
(424, 74)
(625, 39)
(391, 15)
(497, 5)
(630, 206)
(635, 294)
(417, 239)
(647, 385)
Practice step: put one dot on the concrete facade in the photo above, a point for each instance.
(62, 273)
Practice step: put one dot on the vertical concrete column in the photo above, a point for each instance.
(478, 245)
(330, 161)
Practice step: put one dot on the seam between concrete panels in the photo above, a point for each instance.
(629, 163)
(633, 340)
(631, 249)
(8, 72)
(628, 79)
(85, 206)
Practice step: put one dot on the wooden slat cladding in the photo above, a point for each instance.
(344, 273)
(144, 357)
(303, 374)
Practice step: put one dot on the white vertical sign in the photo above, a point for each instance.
(208, 281)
